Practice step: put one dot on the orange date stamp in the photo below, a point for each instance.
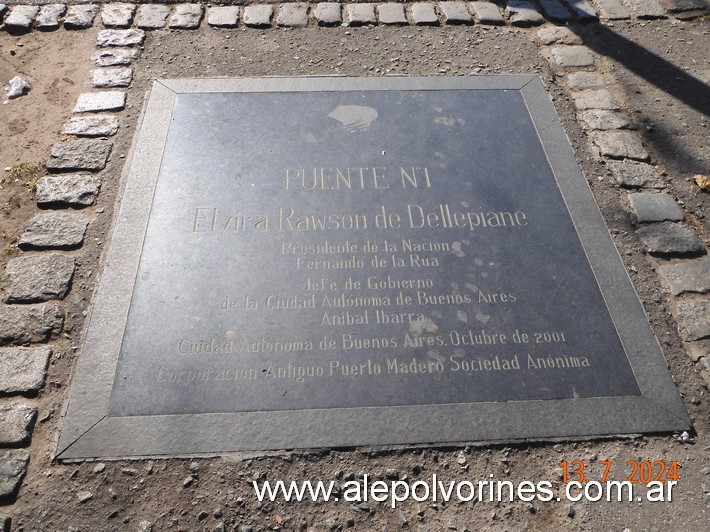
(636, 471)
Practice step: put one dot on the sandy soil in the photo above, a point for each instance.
(216, 493)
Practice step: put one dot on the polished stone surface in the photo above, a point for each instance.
(358, 261)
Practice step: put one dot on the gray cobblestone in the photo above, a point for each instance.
(16, 422)
(83, 154)
(695, 319)
(584, 80)
(677, 6)
(80, 17)
(21, 18)
(28, 324)
(620, 145)
(360, 14)
(583, 10)
(94, 102)
(258, 16)
(487, 13)
(105, 78)
(54, 230)
(670, 239)
(556, 35)
(594, 99)
(572, 56)
(127, 37)
(3, 10)
(523, 14)
(455, 13)
(91, 126)
(223, 16)
(187, 16)
(152, 16)
(23, 370)
(37, 278)
(49, 15)
(647, 8)
(391, 13)
(13, 467)
(119, 56)
(555, 11)
(118, 15)
(654, 207)
(328, 14)
(603, 119)
(423, 14)
(688, 276)
(293, 15)
(635, 175)
(68, 189)
(612, 10)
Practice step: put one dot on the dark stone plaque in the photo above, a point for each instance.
(323, 262)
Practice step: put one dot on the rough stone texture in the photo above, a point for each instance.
(670, 239)
(523, 14)
(54, 230)
(80, 17)
(635, 175)
(13, 466)
(572, 56)
(48, 18)
(93, 102)
(620, 145)
(5, 520)
(612, 10)
(117, 15)
(687, 277)
(695, 319)
(36, 278)
(328, 14)
(91, 126)
(223, 16)
(120, 56)
(603, 119)
(595, 99)
(3, 10)
(556, 35)
(129, 37)
(360, 14)
(654, 207)
(293, 15)
(23, 324)
(487, 13)
(187, 16)
(391, 13)
(23, 370)
(555, 11)
(16, 422)
(423, 14)
(105, 78)
(584, 80)
(258, 16)
(676, 6)
(582, 10)
(21, 18)
(84, 154)
(68, 189)
(455, 13)
(152, 16)
(647, 8)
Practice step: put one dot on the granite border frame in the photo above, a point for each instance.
(87, 432)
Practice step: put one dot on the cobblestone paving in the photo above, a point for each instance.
(34, 284)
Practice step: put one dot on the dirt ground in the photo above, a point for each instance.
(197, 493)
